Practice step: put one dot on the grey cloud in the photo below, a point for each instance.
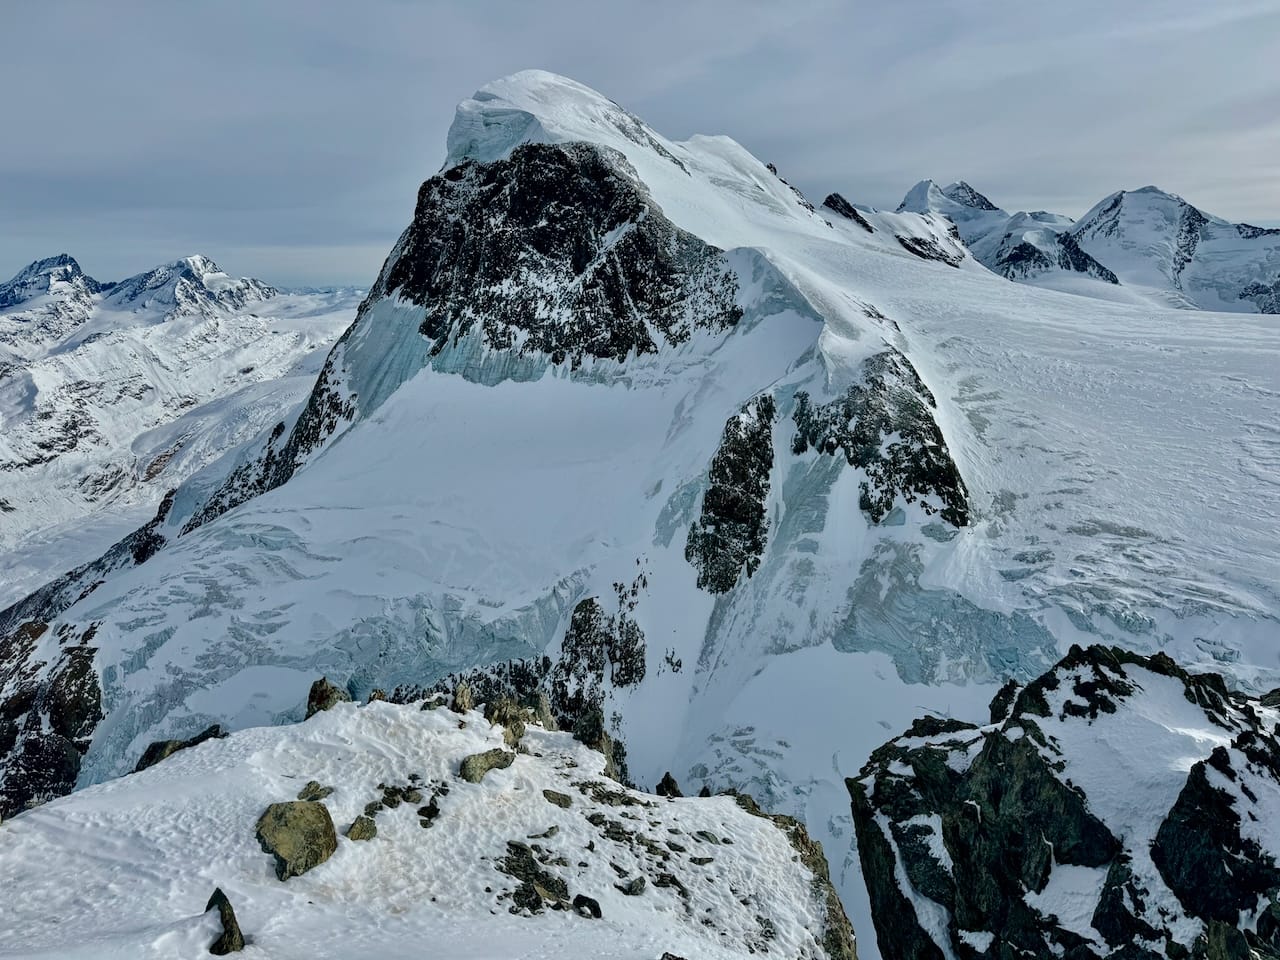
(287, 139)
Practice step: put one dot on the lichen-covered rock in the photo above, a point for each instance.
(323, 696)
(474, 767)
(362, 828)
(884, 424)
(299, 834)
(728, 539)
(969, 836)
(230, 940)
(463, 699)
(314, 790)
(161, 749)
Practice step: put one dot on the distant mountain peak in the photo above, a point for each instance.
(964, 194)
(39, 276)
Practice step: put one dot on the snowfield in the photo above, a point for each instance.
(124, 869)
(1120, 468)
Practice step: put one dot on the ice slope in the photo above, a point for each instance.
(1158, 242)
(124, 869)
(1119, 463)
(111, 394)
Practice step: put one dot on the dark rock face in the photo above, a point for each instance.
(231, 940)
(161, 749)
(299, 834)
(1265, 297)
(927, 248)
(962, 193)
(1025, 259)
(729, 537)
(839, 205)
(968, 824)
(324, 695)
(47, 713)
(1190, 230)
(561, 251)
(891, 399)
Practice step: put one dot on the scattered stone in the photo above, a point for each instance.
(314, 791)
(675, 847)
(474, 767)
(323, 696)
(547, 834)
(505, 712)
(667, 786)
(708, 836)
(166, 748)
(429, 811)
(559, 799)
(537, 885)
(701, 861)
(587, 907)
(231, 940)
(371, 808)
(363, 828)
(633, 887)
(299, 834)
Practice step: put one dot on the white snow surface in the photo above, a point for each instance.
(124, 869)
(1121, 460)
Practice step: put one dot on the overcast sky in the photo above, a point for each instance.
(287, 138)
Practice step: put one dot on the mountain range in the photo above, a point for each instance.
(1139, 246)
(111, 394)
(806, 502)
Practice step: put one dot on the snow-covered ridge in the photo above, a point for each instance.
(545, 857)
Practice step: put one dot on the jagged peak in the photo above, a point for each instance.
(39, 276)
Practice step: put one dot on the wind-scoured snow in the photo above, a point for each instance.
(125, 869)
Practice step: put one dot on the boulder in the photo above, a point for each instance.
(463, 698)
(474, 767)
(323, 696)
(299, 834)
(558, 798)
(587, 907)
(161, 749)
(362, 829)
(231, 940)
(667, 786)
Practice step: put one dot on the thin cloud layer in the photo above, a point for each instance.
(287, 139)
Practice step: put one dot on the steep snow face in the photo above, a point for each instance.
(1158, 242)
(1115, 803)
(108, 399)
(470, 869)
(898, 478)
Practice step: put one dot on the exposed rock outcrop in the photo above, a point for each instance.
(1065, 827)
(161, 749)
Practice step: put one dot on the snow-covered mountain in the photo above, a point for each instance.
(761, 481)
(1117, 806)
(542, 857)
(1034, 247)
(1157, 241)
(1138, 246)
(113, 393)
